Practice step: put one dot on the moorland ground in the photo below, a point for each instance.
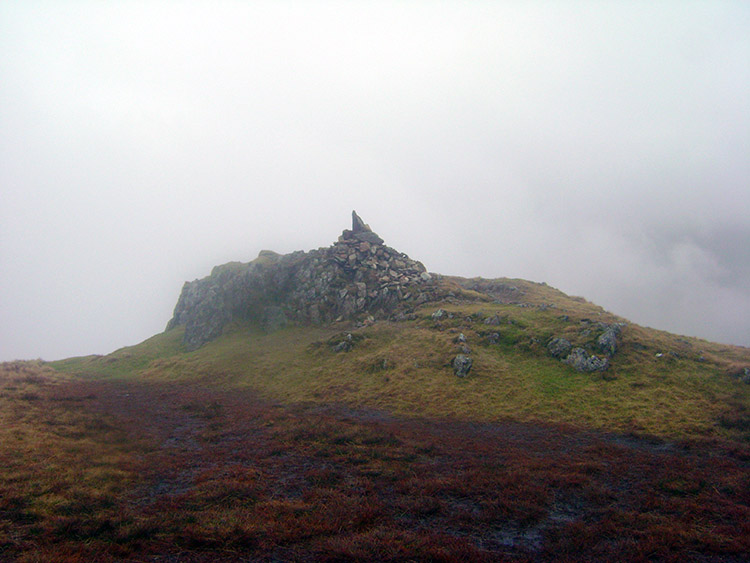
(154, 471)
(274, 446)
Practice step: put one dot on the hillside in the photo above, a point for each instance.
(365, 324)
(344, 404)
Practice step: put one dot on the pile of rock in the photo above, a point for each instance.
(579, 358)
(361, 252)
(356, 276)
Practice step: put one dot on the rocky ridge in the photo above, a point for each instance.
(358, 277)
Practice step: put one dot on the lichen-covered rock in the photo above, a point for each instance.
(356, 277)
(462, 365)
(581, 361)
(439, 315)
(559, 347)
(607, 341)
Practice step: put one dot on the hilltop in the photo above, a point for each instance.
(364, 324)
(345, 404)
(356, 277)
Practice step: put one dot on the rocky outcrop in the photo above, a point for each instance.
(492, 338)
(580, 360)
(607, 341)
(559, 347)
(358, 276)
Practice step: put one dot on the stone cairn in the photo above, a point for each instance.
(363, 253)
(357, 277)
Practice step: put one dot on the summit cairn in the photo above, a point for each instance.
(362, 253)
(360, 231)
(355, 278)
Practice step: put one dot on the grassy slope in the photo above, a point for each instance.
(234, 450)
(658, 383)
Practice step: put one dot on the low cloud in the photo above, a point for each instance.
(600, 149)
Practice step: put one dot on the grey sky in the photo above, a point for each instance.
(600, 147)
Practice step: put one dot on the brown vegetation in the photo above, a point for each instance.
(124, 470)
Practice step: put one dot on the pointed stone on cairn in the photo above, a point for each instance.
(361, 231)
(358, 225)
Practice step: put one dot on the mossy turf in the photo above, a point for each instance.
(658, 383)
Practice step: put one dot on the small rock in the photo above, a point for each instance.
(345, 345)
(607, 342)
(460, 338)
(493, 320)
(425, 277)
(581, 361)
(462, 365)
(439, 314)
(493, 338)
(342, 346)
(741, 373)
(559, 347)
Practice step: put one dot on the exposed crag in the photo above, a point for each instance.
(355, 278)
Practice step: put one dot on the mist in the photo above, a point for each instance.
(600, 148)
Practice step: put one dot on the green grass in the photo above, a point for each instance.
(658, 383)
(126, 362)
